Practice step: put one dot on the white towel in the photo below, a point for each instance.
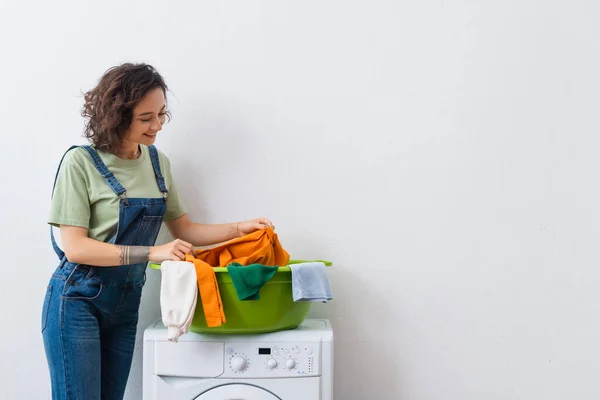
(178, 296)
(310, 282)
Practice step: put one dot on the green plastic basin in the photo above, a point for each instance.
(274, 311)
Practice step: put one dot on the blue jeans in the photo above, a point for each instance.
(89, 323)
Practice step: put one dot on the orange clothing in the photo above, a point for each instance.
(259, 247)
(209, 292)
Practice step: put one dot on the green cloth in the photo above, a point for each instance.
(248, 279)
(83, 198)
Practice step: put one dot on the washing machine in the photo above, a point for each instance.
(286, 365)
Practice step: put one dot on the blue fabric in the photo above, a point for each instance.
(106, 174)
(310, 282)
(90, 314)
(156, 165)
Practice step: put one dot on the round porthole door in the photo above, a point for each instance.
(237, 391)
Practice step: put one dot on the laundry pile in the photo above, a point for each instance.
(251, 261)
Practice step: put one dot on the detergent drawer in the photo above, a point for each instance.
(189, 359)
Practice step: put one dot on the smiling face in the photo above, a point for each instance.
(112, 124)
(147, 120)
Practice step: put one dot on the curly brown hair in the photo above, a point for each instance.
(108, 107)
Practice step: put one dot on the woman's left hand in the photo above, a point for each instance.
(252, 225)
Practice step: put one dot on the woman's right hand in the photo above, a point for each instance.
(173, 251)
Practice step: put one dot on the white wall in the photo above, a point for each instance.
(442, 153)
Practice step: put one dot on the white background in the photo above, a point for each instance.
(442, 153)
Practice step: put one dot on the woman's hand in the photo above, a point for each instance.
(174, 251)
(252, 225)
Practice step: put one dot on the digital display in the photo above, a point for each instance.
(263, 350)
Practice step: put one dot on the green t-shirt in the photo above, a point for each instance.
(83, 198)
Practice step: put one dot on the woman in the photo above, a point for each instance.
(109, 201)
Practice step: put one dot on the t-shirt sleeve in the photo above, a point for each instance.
(70, 204)
(175, 206)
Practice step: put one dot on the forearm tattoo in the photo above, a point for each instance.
(133, 254)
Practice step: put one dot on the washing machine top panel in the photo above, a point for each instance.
(237, 359)
(286, 354)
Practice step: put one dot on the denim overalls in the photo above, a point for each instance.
(90, 314)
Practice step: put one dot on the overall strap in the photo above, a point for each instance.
(106, 174)
(160, 180)
(57, 249)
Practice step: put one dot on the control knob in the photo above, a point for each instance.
(239, 363)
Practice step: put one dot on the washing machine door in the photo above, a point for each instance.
(237, 391)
